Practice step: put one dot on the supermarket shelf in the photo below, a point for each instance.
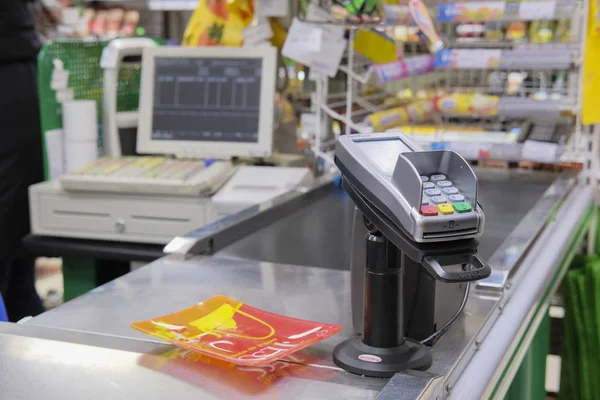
(520, 58)
(483, 11)
(172, 5)
(523, 108)
(519, 107)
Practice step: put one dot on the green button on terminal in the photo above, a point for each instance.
(461, 207)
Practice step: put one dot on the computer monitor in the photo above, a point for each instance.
(207, 102)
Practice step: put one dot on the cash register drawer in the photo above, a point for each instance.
(139, 218)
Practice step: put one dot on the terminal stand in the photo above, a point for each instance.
(383, 349)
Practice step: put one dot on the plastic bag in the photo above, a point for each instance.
(218, 23)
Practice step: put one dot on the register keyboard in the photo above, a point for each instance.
(153, 175)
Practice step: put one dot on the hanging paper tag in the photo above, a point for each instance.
(257, 34)
(302, 43)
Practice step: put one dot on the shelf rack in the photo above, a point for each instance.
(549, 92)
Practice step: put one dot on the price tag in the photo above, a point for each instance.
(308, 122)
(257, 34)
(535, 10)
(476, 59)
(109, 58)
(542, 152)
(272, 8)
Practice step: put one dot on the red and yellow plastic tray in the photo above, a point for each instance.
(235, 332)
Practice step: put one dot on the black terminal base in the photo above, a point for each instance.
(355, 356)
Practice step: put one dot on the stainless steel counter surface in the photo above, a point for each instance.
(170, 284)
(506, 197)
(320, 294)
(45, 363)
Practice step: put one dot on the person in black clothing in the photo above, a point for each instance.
(21, 160)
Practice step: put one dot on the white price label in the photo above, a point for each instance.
(272, 8)
(309, 124)
(542, 152)
(109, 58)
(535, 10)
(257, 34)
(476, 58)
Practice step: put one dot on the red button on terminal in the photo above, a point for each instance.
(429, 211)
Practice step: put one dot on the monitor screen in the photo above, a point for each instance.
(207, 99)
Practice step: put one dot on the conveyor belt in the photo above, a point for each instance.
(326, 225)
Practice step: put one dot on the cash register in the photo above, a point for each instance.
(198, 109)
(418, 214)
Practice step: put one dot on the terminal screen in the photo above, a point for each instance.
(207, 99)
(384, 153)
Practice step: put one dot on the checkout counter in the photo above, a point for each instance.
(291, 256)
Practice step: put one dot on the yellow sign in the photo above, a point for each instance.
(590, 110)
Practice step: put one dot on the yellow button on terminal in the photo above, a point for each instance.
(445, 209)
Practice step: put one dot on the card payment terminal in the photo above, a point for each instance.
(420, 212)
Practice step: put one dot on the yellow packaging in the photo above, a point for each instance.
(388, 119)
(420, 110)
(218, 23)
(467, 104)
(375, 46)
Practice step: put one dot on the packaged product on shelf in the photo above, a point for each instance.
(375, 45)
(423, 21)
(469, 32)
(514, 83)
(388, 119)
(114, 19)
(558, 87)
(516, 31)
(467, 104)
(540, 32)
(130, 22)
(496, 82)
(99, 23)
(87, 24)
(420, 110)
(563, 31)
(494, 31)
(403, 68)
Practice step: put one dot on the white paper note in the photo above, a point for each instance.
(257, 34)
(327, 59)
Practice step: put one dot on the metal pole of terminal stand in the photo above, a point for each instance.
(383, 306)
